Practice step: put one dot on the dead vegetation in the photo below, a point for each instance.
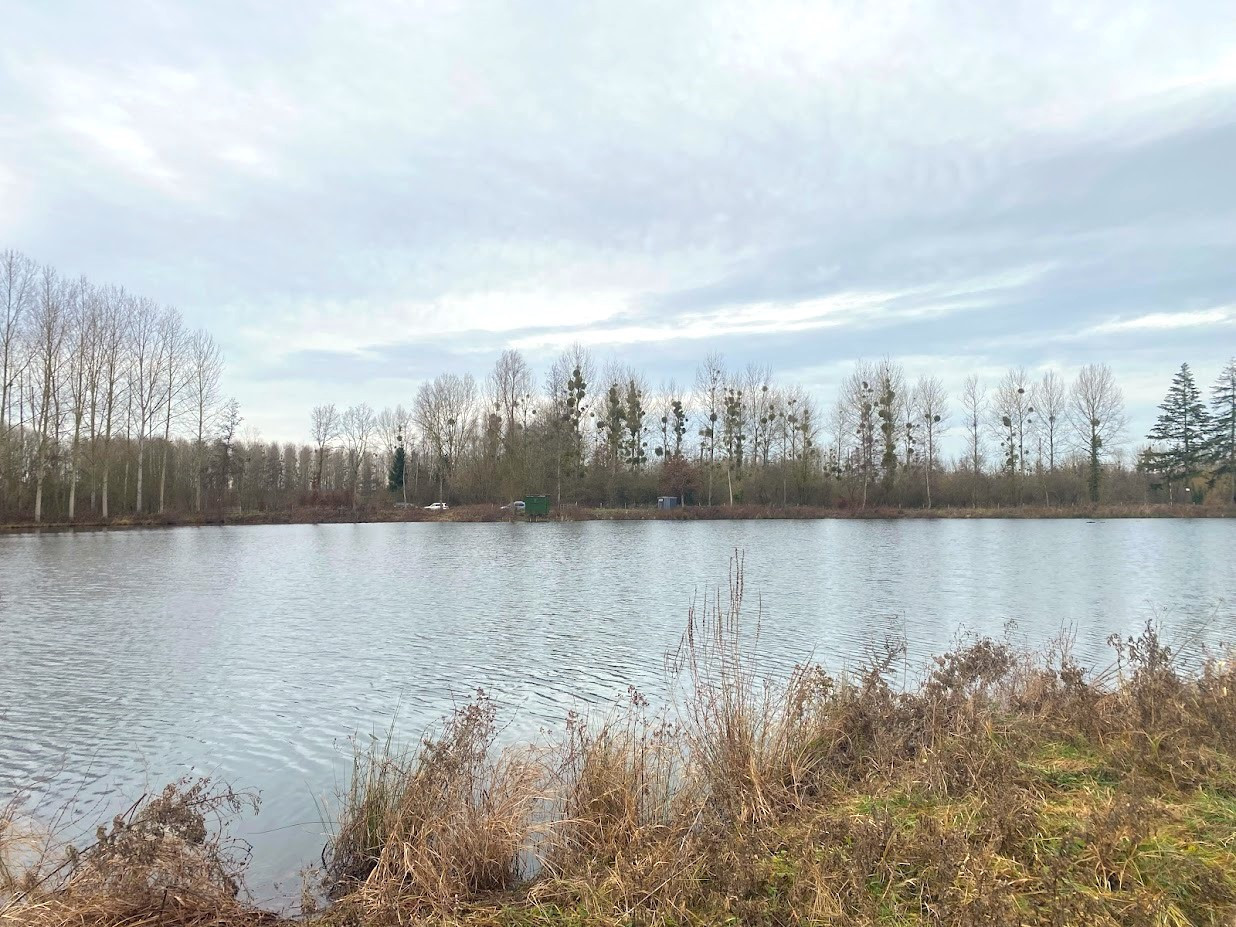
(1002, 789)
(163, 861)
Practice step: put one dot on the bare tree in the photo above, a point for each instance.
(17, 293)
(859, 405)
(759, 393)
(1012, 419)
(1096, 412)
(797, 433)
(445, 413)
(149, 359)
(1050, 398)
(359, 426)
(974, 408)
(174, 344)
(205, 371)
(48, 330)
(324, 425)
(710, 381)
(510, 391)
(114, 324)
(82, 339)
(930, 403)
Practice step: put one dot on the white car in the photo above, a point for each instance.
(437, 507)
(516, 506)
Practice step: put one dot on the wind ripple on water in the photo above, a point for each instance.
(261, 654)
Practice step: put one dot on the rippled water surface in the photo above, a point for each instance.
(129, 658)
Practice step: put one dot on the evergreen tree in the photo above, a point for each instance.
(1223, 426)
(394, 479)
(1184, 427)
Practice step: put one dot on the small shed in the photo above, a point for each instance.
(536, 506)
(667, 502)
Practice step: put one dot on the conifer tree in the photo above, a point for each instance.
(1184, 427)
(1223, 426)
(394, 479)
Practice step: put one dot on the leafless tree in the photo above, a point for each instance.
(1013, 417)
(930, 403)
(205, 372)
(858, 402)
(48, 329)
(18, 275)
(324, 425)
(974, 408)
(149, 358)
(359, 426)
(445, 413)
(82, 338)
(1050, 398)
(758, 393)
(1096, 413)
(174, 343)
(116, 318)
(510, 391)
(710, 378)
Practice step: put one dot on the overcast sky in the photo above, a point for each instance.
(353, 197)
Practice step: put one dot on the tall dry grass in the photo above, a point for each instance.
(428, 829)
(1004, 788)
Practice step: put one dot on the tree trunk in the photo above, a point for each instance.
(73, 471)
(163, 477)
(141, 457)
(1094, 466)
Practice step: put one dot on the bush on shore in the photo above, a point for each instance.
(1002, 788)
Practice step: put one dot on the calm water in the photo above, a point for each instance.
(130, 658)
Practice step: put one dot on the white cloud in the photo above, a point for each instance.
(125, 145)
(1164, 321)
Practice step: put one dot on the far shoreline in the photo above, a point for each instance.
(479, 514)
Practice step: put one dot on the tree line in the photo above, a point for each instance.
(110, 405)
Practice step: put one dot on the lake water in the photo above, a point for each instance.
(130, 658)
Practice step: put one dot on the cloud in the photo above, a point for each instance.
(348, 194)
(1165, 321)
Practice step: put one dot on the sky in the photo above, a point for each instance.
(354, 197)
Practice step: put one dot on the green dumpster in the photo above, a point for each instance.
(536, 506)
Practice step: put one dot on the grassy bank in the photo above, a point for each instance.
(493, 513)
(1004, 788)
